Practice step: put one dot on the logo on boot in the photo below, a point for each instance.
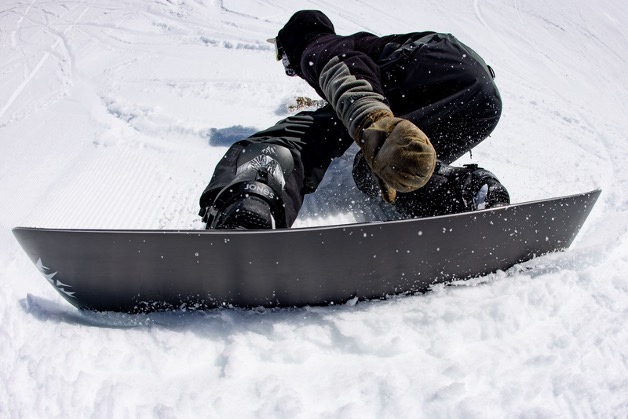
(260, 189)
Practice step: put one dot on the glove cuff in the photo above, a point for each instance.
(369, 120)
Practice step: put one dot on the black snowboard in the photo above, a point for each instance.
(135, 271)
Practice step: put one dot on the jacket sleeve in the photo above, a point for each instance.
(346, 77)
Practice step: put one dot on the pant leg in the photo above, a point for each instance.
(314, 139)
(448, 91)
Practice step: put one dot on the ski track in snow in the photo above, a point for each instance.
(107, 112)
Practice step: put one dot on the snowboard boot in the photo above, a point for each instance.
(482, 189)
(450, 190)
(253, 200)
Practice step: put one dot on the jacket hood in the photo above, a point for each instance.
(302, 28)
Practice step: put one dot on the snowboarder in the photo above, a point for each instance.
(413, 103)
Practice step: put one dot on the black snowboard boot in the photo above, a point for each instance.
(482, 189)
(450, 190)
(253, 200)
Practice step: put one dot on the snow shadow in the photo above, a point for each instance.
(224, 137)
(46, 310)
(209, 323)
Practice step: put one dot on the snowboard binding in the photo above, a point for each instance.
(481, 189)
(450, 190)
(254, 199)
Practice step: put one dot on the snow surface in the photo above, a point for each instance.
(113, 115)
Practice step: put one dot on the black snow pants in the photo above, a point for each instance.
(437, 82)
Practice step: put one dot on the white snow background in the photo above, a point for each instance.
(107, 110)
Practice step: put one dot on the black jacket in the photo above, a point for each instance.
(345, 70)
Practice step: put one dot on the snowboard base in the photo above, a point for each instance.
(147, 270)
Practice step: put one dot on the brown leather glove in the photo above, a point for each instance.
(399, 154)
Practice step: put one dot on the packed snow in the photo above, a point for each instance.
(113, 115)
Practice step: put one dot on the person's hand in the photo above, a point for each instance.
(399, 154)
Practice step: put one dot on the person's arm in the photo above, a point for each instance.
(399, 154)
(347, 78)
